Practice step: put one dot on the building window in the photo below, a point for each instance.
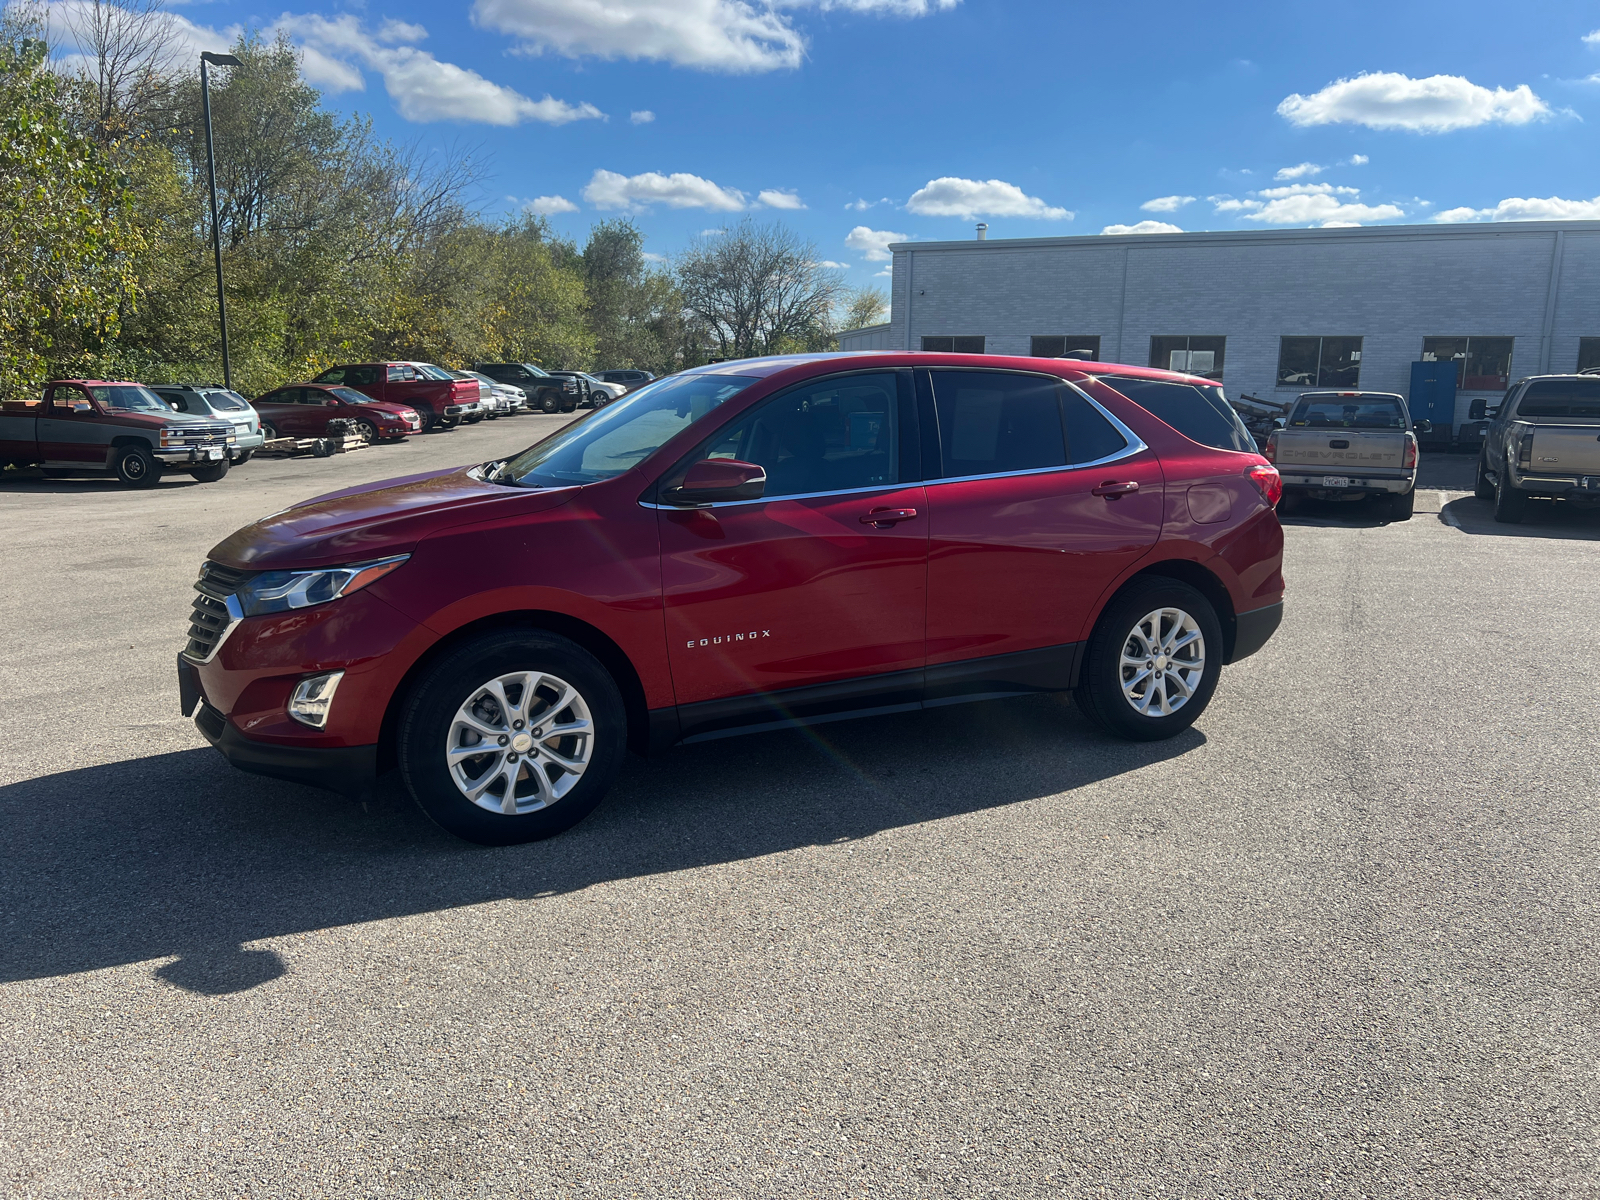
(954, 345)
(1195, 355)
(1055, 346)
(1320, 362)
(1589, 354)
(1483, 364)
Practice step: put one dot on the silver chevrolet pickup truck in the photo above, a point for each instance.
(1544, 441)
(1348, 446)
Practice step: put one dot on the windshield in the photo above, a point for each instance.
(1348, 412)
(223, 401)
(1561, 398)
(351, 396)
(622, 434)
(479, 378)
(128, 397)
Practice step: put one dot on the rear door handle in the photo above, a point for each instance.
(1112, 491)
(888, 516)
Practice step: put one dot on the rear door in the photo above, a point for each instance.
(277, 409)
(818, 590)
(1021, 545)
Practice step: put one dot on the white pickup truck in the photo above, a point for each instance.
(1348, 446)
(1544, 441)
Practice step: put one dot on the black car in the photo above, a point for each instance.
(589, 388)
(631, 379)
(545, 392)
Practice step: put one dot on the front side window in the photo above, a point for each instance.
(1201, 414)
(623, 434)
(958, 344)
(1321, 362)
(992, 422)
(1348, 412)
(1589, 354)
(1059, 346)
(128, 397)
(1483, 364)
(834, 435)
(1192, 355)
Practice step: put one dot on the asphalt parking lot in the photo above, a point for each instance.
(1336, 940)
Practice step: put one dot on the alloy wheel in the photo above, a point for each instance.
(520, 742)
(1163, 662)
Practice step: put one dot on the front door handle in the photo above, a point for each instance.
(1113, 491)
(888, 516)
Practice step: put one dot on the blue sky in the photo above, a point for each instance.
(885, 118)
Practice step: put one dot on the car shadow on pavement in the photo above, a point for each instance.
(1541, 519)
(1350, 514)
(180, 855)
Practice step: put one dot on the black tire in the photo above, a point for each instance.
(324, 447)
(367, 431)
(1510, 504)
(1481, 487)
(136, 467)
(449, 423)
(244, 457)
(1288, 504)
(1402, 506)
(428, 719)
(211, 472)
(269, 431)
(1100, 688)
(549, 401)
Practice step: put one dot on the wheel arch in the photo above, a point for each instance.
(1203, 580)
(595, 641)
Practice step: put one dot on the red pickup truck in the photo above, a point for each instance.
(440, 398)
(124, 428)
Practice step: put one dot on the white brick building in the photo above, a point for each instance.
(1272, 312)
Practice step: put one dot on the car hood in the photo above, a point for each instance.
(376, 520)
(394, 408)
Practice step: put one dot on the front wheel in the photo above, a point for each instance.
(137, 467)
(211, 472)
(512, 737)
(367, 432)
(1152, 661)
(1510, 503)
(549, 402)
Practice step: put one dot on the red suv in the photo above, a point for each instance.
(747, 546)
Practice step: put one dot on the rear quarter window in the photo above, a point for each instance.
(1201, 414)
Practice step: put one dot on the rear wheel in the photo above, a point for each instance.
(269, 431)
(1152, 662)
(1481, 487)
(1510, 504)
(211, 472)
(512, 737)
(1402, 506)
(137, 467)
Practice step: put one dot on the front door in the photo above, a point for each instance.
(68, 431)
(812, 598)
(1021, 546)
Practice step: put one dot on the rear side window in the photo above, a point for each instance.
(991, 423)
(1561, 398)
(1201, 414)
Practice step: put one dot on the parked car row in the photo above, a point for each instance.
(137, 431)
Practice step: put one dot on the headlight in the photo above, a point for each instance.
(279, 591)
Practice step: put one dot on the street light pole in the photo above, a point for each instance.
(221, 60)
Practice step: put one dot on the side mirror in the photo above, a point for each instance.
(1423, 426)
(716, 479)
(1478, 411)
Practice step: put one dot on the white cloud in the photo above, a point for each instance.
(422, 87)
(1592, 39)
(1437, 104)
(736, 36)
(649, 257)
(633, 193)
(873, 244)
(1142, 227)
(776, 199)
(642, 116)
(546, 206)
(184, 39)
(1300, 171)
(1320, 204)
(1357, 160)
(949, 196)
(862, 205)
(1166, 203)
(1550, 208)
(712, 232)
(828, 262)
(1306, 189)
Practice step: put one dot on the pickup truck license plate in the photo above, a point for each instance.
(213, 454)
(1336, 481)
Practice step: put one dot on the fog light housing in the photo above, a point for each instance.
(313, 699)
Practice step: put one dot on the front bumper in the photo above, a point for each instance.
(348, 770)
(184, 457)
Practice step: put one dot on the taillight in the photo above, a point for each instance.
(1270, 450)
(1268, 480)
(1409, 458)
(1525, 450)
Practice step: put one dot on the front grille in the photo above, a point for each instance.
(198, 435)
(212, 616)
